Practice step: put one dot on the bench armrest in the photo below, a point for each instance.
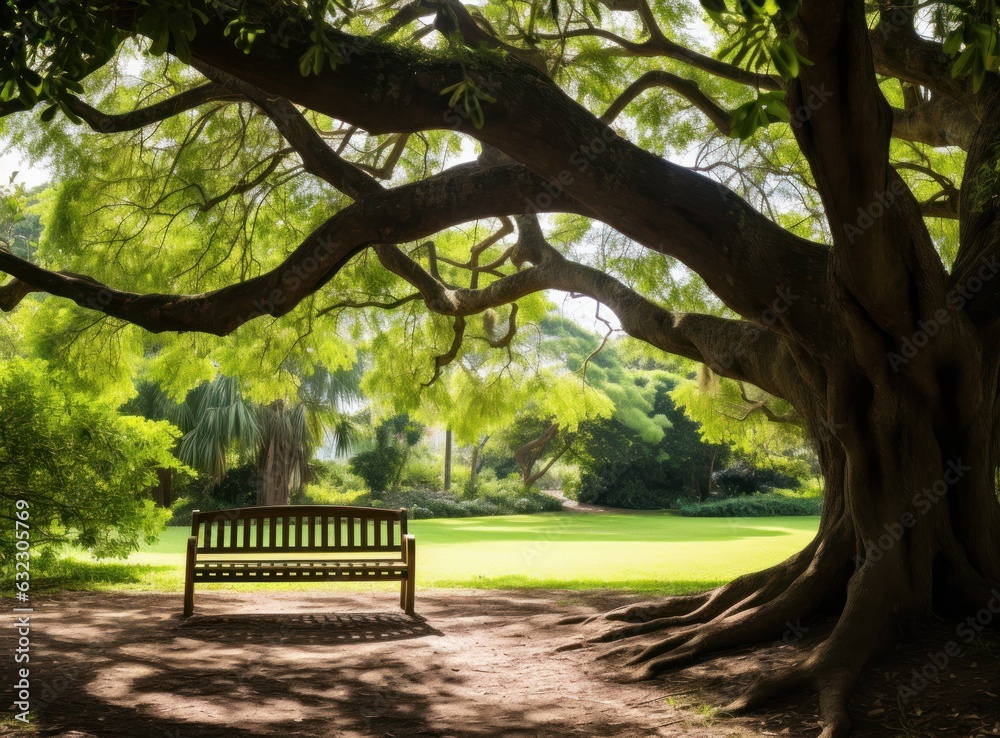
(408, 547)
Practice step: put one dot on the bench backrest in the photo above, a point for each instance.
(289, 528)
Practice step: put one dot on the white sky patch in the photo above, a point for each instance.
(29, 176)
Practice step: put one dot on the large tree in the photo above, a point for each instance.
(834, 284)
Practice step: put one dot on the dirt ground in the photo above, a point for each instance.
(473, 663)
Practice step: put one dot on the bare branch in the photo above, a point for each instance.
(391, 305)
(317, 158)
(179, 103)
(440, 362)
(664, 47)
(687, 88)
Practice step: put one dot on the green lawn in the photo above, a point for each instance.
(649, 552)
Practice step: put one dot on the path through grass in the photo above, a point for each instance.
(649, 552)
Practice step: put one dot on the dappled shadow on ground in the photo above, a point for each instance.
(472, 663)
(353, 627)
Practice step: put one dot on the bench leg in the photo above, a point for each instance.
(402, 594)
(188, 598)
(411, 574)
(189, 577)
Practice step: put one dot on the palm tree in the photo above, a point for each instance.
(217, 421)
(290, 434)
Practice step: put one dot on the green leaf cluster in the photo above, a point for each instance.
(84, 470)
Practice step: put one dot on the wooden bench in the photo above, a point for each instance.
(295, 543)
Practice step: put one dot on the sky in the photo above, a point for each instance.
(11, 162)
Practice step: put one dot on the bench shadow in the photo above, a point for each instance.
(347, 627)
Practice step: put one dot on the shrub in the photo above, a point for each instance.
(316, 494)
(378, 467)
(422, 473)
(237, 489)
(751, 506)
(743, 479)
(83, 470)
(620, 486)
(381, 466)
(502, 500)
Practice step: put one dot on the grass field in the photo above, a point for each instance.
(648, 552)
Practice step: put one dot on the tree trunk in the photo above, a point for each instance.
(447, 460)
(708, 480)
(474, 473)
(274, 471)
(161, 495)
(908, 531)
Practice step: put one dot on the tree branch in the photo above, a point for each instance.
(460, 194)
(979, 225)
(179, 103)
(939, 122)
(687, 88)
(661, 205)
(733, 349)
(317, 158)
(391, 305)
(661, 46)
(899, 52)
(890, 267)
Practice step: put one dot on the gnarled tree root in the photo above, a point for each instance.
(759, 608)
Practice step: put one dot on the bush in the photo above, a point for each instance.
(503, 498)
(83, 471)
(422, 473)
(752, 506)
(743, 479)
(620, 486)
(237, 489)
(571, 483)
(378, 467)
(316, 494)
(381, 466)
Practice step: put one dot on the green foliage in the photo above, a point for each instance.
(497, 497)
(237, 489)
(84, 470)
(621, 467)
(975, 43)
(381, 466)
(754, 506)
(422, 471)
(767, 108)
(471, 97)
(743, 479)
(20, 226)
(723, 410)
